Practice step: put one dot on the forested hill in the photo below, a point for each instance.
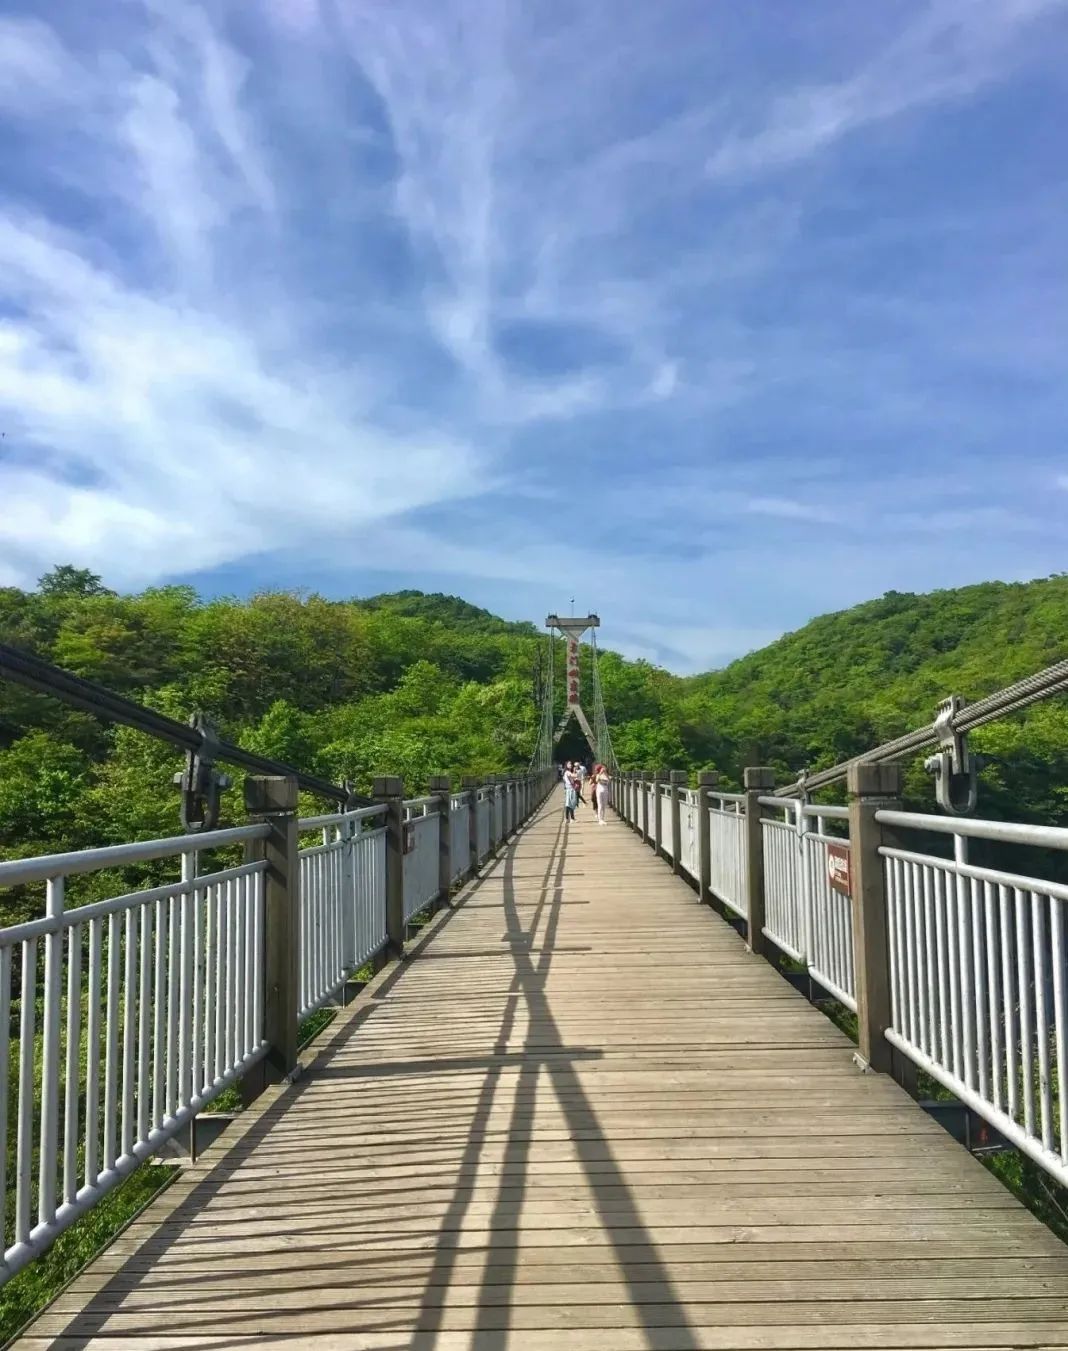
(416, 684)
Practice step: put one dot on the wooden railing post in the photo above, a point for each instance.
(441, 785)
(389, 790)
(759, 782)
(706, 781)
(273, 800)
(872, 787)
(679, 780)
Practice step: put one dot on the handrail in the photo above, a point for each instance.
(1005, 832)
(18, 871)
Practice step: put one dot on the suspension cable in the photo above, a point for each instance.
(33, 673)
(605, 753)
(1012, 699)
(543, 749)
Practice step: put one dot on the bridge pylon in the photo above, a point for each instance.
(572, 628)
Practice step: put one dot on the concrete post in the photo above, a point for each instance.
(872, 788)
(441, 785)
(706, 781)
(390, 791)
(644, 780)
(679, 780)
(631, 800)
(273, 800)
(759, 782)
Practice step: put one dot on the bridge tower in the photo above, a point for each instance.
(571, 629)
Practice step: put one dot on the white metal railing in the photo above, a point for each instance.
(728, 871)
(122, 1018)
(150, 1003)
(805, 914)
(650, 808)
(423, 831)
(689, 845)
(459, 835)
(342, 890)
(667, 823)
(978, 981)
(483, 814)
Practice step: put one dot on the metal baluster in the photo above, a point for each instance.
(993, 986)
(1060, 1014)
(129, 1034)
(5, 1070)
(92, 1053)
(1024, 992)
(111, 1056)
(144, 1031)
(72, 1075)
(51, 1020)
(979, 966)
(1008, 1001)
(1038, 940)
(24, 1143)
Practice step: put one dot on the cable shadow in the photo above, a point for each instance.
(533, 912)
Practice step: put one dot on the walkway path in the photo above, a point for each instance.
(582, 1116)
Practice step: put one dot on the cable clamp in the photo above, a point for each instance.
(953, 766)
(200, 782)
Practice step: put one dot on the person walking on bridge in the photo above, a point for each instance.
(601, 784)
(571, 791)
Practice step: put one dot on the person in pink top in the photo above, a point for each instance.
(601, 783)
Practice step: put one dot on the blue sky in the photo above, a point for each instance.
(716, 316)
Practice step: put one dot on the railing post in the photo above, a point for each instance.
(389, 790)
(706, 781)
(759, 781)
(644, 780)
(630, 799)
(872, 787)
(441, 785)
(679, 780)
(272, 800)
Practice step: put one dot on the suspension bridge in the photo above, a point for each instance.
(576, 1092)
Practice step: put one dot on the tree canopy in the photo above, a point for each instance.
(420, 684)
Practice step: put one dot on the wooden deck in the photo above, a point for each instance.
(582, 1116)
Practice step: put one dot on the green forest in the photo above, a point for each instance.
(416, 684)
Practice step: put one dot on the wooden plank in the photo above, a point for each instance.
(539, 1132)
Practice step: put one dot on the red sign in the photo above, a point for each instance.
(838, 869)
(572, 671)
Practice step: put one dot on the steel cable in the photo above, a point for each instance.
(1012, 699)
(33, 673)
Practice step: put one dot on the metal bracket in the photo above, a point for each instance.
(201, 783)
(953, 766)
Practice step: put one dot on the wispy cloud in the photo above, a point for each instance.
(337, 292)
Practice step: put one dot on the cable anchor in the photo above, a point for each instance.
(200, 782)
(954, 768)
